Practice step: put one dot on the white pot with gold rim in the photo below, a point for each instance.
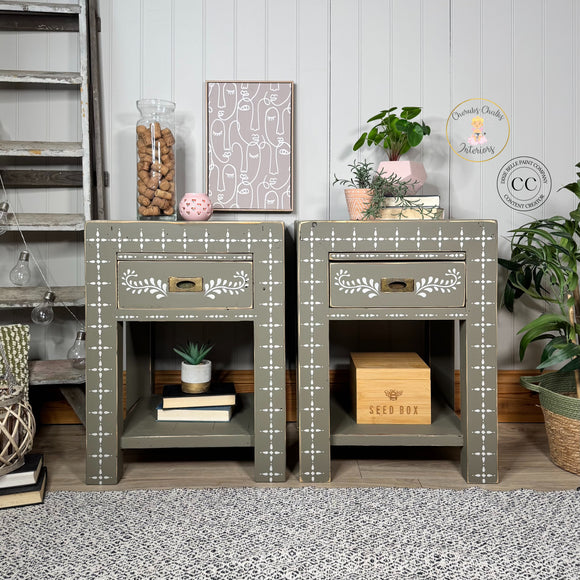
(195, 378)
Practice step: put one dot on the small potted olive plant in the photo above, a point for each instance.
(358, 188)
(389, 201)
(195, 368)
(396, 134)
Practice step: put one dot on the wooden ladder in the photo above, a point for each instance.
(85, 157)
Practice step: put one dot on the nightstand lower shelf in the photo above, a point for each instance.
(143, 431)
(444, 430)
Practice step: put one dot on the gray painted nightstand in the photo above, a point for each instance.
(233, 271)
(438, 272)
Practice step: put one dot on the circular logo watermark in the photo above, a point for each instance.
(477, 130)
(524, 183)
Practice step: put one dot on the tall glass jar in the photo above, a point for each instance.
(156, 160)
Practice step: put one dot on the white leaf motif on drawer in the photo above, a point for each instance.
(233, 288)
(368, 287)
(444, 285)
(135, 286)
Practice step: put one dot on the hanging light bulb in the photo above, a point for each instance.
(3, 217)
(76, 353)
(43, 313)
(20, 274)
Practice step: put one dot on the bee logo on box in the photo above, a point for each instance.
(392, 394)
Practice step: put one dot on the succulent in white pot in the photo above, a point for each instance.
(195, 368)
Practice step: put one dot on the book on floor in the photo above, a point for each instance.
(219, 394)
(220, 414)
(27, 474)
(22, 495)
(426, 200)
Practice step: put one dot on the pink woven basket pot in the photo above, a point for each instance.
(357, 201)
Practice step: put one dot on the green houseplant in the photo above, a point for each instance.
(544, 266)
(358, 188)
(396, 133)
(367, 190)
(392, 187)
(195, 368)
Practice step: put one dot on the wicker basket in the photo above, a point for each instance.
(561, 410)
(17, 424)
(17, 428)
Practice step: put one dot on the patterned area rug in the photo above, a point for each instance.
(294, 533)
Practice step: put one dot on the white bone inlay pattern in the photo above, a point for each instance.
(112, 243)
(475, 243)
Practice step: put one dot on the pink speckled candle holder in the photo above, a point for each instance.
(195, 207)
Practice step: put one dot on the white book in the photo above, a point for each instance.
(426, 200)
(26, 474)
(221, 413)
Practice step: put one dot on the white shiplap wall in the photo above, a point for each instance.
(348, 58)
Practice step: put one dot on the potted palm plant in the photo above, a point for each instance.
(396, 134)
(195, 368)
(544, 266)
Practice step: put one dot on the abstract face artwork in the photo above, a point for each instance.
(249, 145)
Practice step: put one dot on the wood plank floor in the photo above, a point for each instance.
(524, 463)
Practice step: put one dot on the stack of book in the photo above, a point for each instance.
(214, 405)
(419, 207)
(25, 485)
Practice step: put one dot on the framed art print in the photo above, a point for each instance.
(249, 145)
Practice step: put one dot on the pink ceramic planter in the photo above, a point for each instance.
(357, 201)
(406, 170)
(195, 207)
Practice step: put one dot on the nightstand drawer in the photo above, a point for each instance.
(167, 282)
(397, 284)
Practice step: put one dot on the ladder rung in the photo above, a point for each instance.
(39, 7)
(30, 296)
(40, 149)
(42, 222)
(54, 372)
(30, 178)
(40, 77)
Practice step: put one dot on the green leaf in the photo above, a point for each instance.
(410, 112)
(509, 297)
(377, 139)
(414, 134)
(360, 142)
(560, 355)
(554, 344)
(509, 264)
(534, 330)
(573, 365)
(573, 187)
(378, 116)
(405, 148)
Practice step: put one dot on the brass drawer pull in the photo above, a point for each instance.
(397, 284)
(185, 284)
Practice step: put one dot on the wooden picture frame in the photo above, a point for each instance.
(249, 133)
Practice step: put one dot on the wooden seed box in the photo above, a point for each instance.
(390, 387)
